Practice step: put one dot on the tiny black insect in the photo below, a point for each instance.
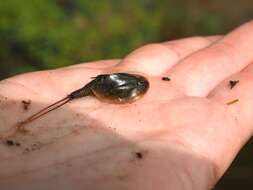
(166, 78)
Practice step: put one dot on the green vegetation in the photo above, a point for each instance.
(47, 34)
(41, 34)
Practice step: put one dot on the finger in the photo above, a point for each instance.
(155, 59)
(201, 72)
(56, 82)
(101, 64)
(238, 98)
(188, 45)
(63, 78)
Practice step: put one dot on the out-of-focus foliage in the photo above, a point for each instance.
(40, 34)
(52, 33)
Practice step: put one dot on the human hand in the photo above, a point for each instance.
(180, 135)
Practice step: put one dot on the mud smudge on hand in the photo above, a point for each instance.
(33, 147)
(138, 155)
(232, 83)
(26, 104)
(10, 142)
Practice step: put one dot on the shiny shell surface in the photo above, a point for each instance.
(119, 87)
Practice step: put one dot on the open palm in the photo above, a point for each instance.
(182, 134)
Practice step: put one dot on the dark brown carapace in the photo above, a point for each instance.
(114, 88)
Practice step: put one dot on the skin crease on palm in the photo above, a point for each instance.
(180, 135)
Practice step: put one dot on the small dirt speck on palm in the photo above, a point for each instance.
(232, 83)
(33, 147)
(166, 78)
(26, 104)
(10, 142)
(138, 155)
(36, 146)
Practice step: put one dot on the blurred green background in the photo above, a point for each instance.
(42, 34)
